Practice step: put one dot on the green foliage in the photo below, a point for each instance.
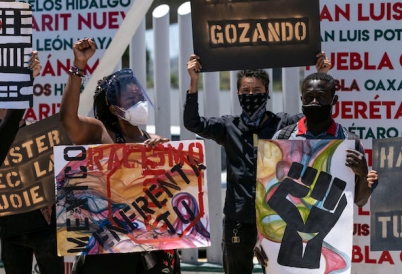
(174, 81)
(224, 80)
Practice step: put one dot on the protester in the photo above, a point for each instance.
(9, 125)
(120, 106)
(318, 97)
(10, 119)
(23, 235)
(239, 136)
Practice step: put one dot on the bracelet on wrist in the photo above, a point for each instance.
(76, 68)
(78, 72)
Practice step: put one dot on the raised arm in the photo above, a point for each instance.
(191, 117)
(80, 129)
(210, 128)
(193, 68)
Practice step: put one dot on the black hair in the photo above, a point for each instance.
(107, 93)
(321, 76)
(101, 106)
(257, 73)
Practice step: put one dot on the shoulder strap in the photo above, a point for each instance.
(119, 137)
(146, 134)
(352, 136)
(286, 131)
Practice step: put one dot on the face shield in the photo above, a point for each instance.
(124, 91)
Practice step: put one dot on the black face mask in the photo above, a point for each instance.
(250, 103)
(317, 113)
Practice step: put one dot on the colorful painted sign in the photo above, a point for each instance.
(121, 198)
(304, 201)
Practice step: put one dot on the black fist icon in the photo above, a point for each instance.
(322, 217)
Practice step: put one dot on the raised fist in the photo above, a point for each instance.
(310, 227)
(83, 50)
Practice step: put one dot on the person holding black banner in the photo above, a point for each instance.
(24, 234)
(120, 107)
(239, 136)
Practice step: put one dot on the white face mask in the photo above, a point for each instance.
(137, 115)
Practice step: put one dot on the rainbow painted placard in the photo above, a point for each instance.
(120, 198)
(304, 202)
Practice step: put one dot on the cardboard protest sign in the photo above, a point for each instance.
(304, 203)
(242, 34)
(386, 203)
(26, 176)
(121, 198)
(16, 91)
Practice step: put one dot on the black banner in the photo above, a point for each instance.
(15, 48)
(386, 202)
(241, 34)
(27, 176)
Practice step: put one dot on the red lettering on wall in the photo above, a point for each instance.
(379, 11)
(362, 212)
(100, 20)
(357, 61)
(359, 256)
(326, 14)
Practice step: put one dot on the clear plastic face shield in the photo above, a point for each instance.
(130, 98)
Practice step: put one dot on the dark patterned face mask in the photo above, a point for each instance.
(251, 103)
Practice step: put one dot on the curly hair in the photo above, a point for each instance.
(257, 73)
(101, 105)
(107, 93)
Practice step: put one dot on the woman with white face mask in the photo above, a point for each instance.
(120, 106)
(129, 98)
